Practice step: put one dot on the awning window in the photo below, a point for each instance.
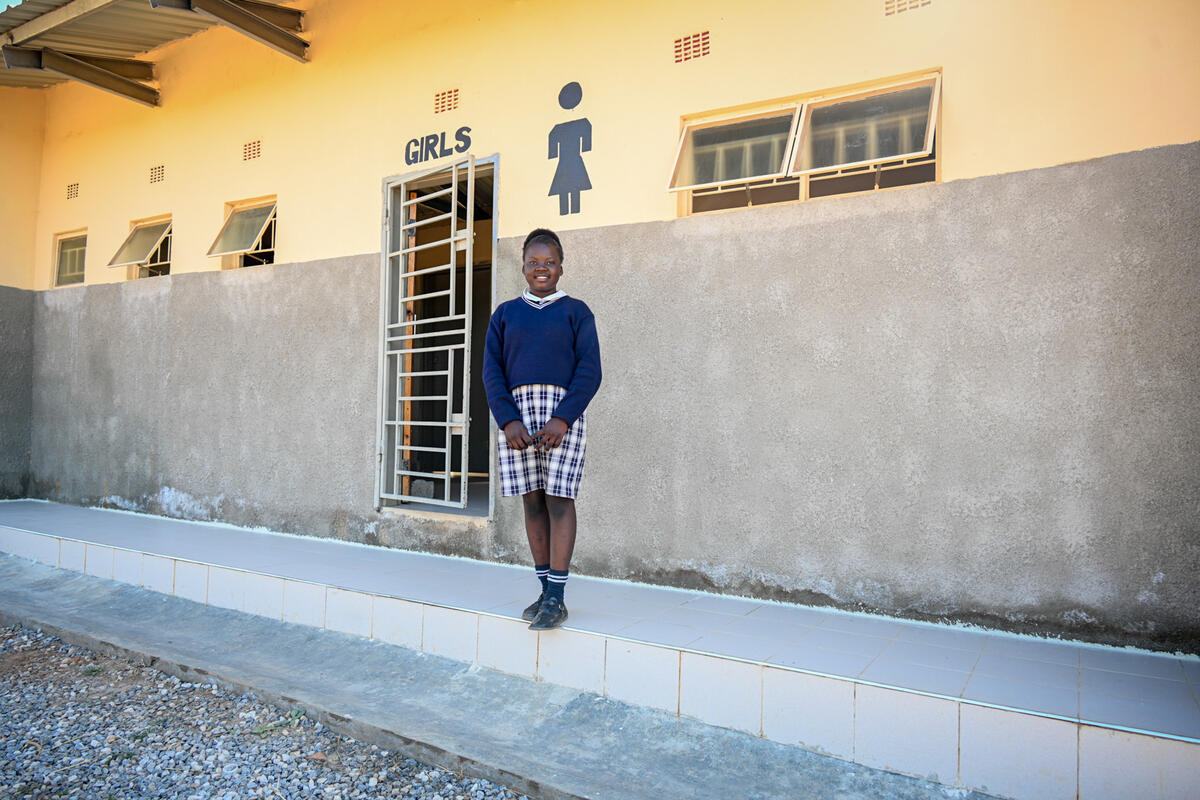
(141, 243)
(242, 230)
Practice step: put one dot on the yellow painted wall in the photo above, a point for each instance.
(1026, 83)
(22, 129)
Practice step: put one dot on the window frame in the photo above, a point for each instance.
(152, 251)
(59, 239)
(713, 122)
(234, 210)
(809, 106)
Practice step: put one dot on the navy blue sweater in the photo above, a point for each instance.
(556, 344)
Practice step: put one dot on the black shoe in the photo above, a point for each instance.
(529, 613)
(552, 614)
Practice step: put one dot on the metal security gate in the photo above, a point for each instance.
(425, 354)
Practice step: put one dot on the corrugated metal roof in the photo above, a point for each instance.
(122, 29)
(23, 12)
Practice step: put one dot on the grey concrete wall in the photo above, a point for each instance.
(16, 397)
(977, 400)
(972, 401)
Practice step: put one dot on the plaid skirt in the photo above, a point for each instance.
(558, 471)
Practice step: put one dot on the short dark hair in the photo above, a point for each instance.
(542, 236)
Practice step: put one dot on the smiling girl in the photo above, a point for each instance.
(541, 368)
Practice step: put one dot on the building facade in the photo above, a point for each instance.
(897, 300)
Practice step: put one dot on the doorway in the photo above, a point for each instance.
(435, 434)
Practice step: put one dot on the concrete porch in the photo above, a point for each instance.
(1013, 716)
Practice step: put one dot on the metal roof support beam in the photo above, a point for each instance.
(114, 75)
(245, 21)
(290, 19)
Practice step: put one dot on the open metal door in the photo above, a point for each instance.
(425, 352)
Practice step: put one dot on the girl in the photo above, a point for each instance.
(541, 368)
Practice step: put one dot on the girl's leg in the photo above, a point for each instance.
(537, 525)
(574, 202)
(560, 512)
(563, 207)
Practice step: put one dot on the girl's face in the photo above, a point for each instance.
(542, 269)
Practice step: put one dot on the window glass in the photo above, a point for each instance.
(140, 244)
(733, 151)
(876, 128)
(71, 251)
(242, 230)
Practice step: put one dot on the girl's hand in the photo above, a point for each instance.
(517, 435)
(551, 435)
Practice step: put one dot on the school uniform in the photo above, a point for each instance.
(542, 360)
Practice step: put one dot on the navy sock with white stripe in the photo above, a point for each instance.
(542, 571)
(556, 583)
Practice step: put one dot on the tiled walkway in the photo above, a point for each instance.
(1115, 689)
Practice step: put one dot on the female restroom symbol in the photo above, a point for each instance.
(567, 141)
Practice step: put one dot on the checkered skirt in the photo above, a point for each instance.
(558, 471)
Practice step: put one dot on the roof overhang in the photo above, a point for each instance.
(95, 41)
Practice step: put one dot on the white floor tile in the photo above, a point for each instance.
(450, 633)
(158, 574)
(1017, 755)
(397, 622)
(734, 606)
(191, 581)
(591, 621)
(571, 658)
(1113, 764)
(98, 561)
(750, 648)
(71, 555)
(906, 733)
(263, 595)
(304, 603)
(226, 588)
(508, 646)
(127, 567)
(702, 621)
(809, 711)
(33, 546)
(348, 612)
(721, 692)
(642, 674)
(664, 633)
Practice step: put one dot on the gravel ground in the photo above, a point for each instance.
(75, 724)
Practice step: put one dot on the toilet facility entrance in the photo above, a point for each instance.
(435, 436)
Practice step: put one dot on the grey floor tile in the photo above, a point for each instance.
(905, 675)
(1023, 696)
(846, 642)
(1134, 662)
(1135, 687)
(1034, 649)
(1155, 717)
(817, 659)
(932, 656)
(1042, 673)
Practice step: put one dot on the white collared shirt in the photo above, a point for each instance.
(542, 302)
